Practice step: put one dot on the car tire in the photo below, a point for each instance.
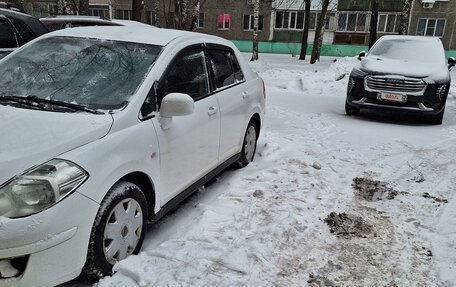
(350, 110)
(248, 145)
(115, 237)
(437, 119)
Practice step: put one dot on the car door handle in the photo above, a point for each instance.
(212, 111)
(245, 94)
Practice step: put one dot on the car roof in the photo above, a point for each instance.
(74, 18)
(134, 33)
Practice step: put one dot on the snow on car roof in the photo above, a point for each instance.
(75, 18)
(132, 33)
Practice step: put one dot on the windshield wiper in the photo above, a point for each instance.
(34, 101)
(76, 107)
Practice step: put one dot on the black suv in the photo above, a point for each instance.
(408, 74)
(17, 28)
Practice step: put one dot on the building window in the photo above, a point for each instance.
(388, 23)
(431, 27)
(99, 10)
(249, 21)
(352, 22)
(293, 20)
(124, 14)
(223, 22)
(200, 23)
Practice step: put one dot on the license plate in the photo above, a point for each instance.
(392, 97)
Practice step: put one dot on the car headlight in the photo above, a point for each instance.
(40, 188)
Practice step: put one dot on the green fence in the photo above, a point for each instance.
(295, 48)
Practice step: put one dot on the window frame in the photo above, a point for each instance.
(347, 17)
(213, 86)
(200, 20)
(251, 22)
(224, 28)
(435, 27)
(288, 19)
(385, 26)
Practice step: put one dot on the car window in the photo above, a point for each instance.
(7, 38)
(408, 49)
(26, 34)
(186, 74)
(237, 68)
(100, 74)
(220, 63)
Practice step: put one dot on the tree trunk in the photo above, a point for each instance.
(305, 32)
(405, 16)
(136, 10)
(256, 17)
(373, 24)
(195, 15)
(318, 41)
(83, 7)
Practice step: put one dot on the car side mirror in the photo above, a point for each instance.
(451, 62)
(176, 104)
(361, 55)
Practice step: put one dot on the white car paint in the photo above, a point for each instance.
(111, 146)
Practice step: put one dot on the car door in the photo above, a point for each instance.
(189, 145)
(8, 39)
(232, 96)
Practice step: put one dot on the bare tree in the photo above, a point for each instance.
(195, 15)
(256, 17)
(318, 41)
(83, 7)
(405, 17)
(67, 7)
(305, 32)
(373, 23)
(136, 7)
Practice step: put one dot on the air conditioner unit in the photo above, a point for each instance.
(427, 4)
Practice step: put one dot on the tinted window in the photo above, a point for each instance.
(237, 69)
(7, 39)
(26, 34)
(187, 74)
(220, 63)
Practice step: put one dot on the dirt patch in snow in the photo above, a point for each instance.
(347, 225)
(373, 190)
(436, 199)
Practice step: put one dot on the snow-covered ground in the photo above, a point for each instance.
(384, 186)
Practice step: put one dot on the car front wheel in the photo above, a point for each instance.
(248, 146)
(118, 230)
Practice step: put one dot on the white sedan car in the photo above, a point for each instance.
(105, 128)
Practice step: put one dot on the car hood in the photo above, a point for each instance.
(31, 137)
(406, 68)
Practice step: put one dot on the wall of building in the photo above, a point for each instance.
(441, 10)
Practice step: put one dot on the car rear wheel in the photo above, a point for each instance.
(249, 145)
(437, 119)
(350, 110)
(118, 230)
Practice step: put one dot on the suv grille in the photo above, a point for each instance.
(395, 84)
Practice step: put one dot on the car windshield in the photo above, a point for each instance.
(408, 49)
(96, 73)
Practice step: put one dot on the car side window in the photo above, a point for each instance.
(7, 38)
(220, 63)
(186, 74)
(237, 68)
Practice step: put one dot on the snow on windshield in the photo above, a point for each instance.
(408, 49)
(97, 73)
